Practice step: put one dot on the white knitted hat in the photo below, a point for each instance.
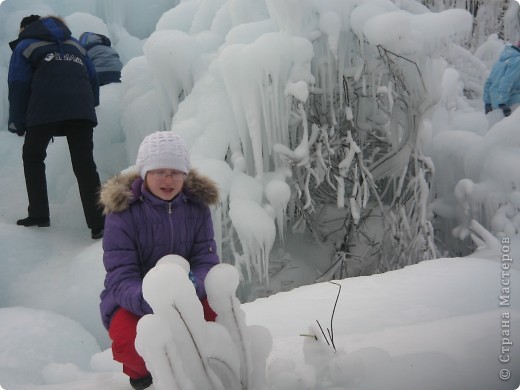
(162, 149)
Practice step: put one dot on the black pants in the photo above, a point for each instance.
(79, 135)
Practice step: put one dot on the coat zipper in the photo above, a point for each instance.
(171, 226)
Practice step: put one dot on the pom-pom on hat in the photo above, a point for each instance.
(28, 20)
(162, 149)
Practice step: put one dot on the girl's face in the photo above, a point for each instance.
(165, 183)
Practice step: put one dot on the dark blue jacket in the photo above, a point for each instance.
(51, 78)
(105, 58)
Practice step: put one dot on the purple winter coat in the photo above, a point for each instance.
(140, 229)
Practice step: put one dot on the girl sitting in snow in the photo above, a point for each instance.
(162, 210)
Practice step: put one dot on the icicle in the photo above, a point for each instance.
(366, 193)
(301, 154)
(306, 191)
(278, 193)
(313, 173)
(423, 197)
(404, 220)
(315, 131)
(302, 150)
(340, 195)
(344, 165)
(325, 137)
(356, 180)
(389, 94)
(358, 71)
(359, 198)
(401, 181)
(256, 239)
(348, 114)
(354, 211)
(319, 155)
(329, 181)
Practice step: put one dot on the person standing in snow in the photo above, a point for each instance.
(502, 87)
(162, 209)
(53, 91)
(104, 56)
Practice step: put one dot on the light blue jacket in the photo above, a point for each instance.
(503, 83)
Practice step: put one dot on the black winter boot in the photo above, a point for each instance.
(96, 234)
(141, 383)
(33, 221)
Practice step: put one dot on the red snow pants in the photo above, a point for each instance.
(122, 332)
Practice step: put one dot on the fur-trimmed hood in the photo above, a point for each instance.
(119, 192)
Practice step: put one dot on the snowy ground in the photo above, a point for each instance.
(436, 325)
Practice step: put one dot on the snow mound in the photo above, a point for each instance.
(27, 352)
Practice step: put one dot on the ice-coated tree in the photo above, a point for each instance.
(327, 109)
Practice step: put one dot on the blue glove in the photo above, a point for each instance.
(192, 278)
(505, 109)
(488, 108)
